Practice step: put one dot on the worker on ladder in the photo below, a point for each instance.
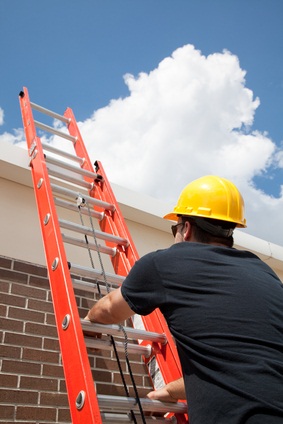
(223, 306)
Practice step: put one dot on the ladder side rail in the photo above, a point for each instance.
(113, 221)
(83, 401)
(125, 258)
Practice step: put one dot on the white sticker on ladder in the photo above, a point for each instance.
(155, 373)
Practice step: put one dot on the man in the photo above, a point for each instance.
(223, 306)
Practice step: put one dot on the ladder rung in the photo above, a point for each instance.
(132, 348)
(70, 167)
(89, 199)
(112, 418)
(88, 231)
(63, 153)
(125, 403)
(54, 131)
(92, 287)
(95, 274)
(111, 251)
(116, 330)
(71, 206)
(50, 113)
(70, 178)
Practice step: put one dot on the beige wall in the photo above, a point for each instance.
(20, 232)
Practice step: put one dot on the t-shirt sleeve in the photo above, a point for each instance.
(142, 289)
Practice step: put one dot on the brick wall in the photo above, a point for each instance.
(32, 386)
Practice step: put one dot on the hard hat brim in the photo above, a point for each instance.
(171, 216)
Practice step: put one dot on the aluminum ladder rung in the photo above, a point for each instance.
(129, 403)
(50, 113)
(52, 130)
(95, 274)
(68, 225)
(132, 348)
(72, 168)
(92, 287)
(72, 207)
(70, 178)
(111, 251)
(116, 330)
(63, 153)
(112, 418)
(90, 200)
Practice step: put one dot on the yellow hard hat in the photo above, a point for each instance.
(211, 197)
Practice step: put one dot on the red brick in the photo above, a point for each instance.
(7, 274)
(118, 379)
(43, 330)
(29, 268)
(3, 309)
(19, 396)
(6, 412)
(53, 399)
(64, 416)
(52, 371)
(40, 305)
(10, 352)
(7, 380)
(34, 383)
(12, 324)
(9, 299)
(109, 364)
(99, 375)
(41, 356)
(43, 283)
(110, 389)
(22, 340)
(50, 319)
(5, 262)
(19, 367)
(26, 315)
(28, 292)
(34, 414)
(4, 286)
(51, 344)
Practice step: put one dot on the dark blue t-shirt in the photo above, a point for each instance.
(224, 308)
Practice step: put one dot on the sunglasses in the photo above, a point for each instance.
(175, 227)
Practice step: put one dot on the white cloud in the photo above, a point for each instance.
(18, 137)
(1, 116)
(187, 118)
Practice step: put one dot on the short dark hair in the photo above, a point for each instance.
(207, 230)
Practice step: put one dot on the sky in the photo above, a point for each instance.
(164, 91)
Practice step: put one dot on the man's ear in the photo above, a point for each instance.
(188, 231)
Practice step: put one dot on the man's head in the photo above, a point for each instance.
(208, 210)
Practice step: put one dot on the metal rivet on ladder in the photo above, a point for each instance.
(66, 322)
(80, 401)
(46, 219)
(40, 182)
(55, 264)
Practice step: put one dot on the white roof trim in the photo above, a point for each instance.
(14, 166)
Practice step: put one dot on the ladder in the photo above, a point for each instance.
(66, 180)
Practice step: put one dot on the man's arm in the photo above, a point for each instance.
(110, 309)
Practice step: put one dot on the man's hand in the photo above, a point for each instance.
(172, 392)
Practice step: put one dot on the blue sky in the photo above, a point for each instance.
(77, 53)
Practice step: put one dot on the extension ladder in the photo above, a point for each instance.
(67, 181)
